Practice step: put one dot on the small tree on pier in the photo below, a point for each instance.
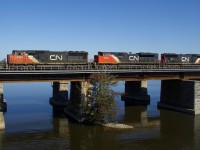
(99, 104)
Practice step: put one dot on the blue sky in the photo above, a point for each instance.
(100, 25)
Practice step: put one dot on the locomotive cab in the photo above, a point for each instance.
(107, 58)
(20, 57)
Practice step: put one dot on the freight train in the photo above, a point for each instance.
(46, 57)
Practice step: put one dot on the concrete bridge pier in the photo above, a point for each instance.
(59, 98)
(2, 122)
(78, 92)
(1, 97)
(183, 96)
(136, 93)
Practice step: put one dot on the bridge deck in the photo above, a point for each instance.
(82, 72)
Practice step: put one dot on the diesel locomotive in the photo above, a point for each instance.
(171, 58)
(145, 58)
(123, 57)
(47, 57)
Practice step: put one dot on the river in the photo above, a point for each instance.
(30, 124)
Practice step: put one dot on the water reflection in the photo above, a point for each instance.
(196, 132)
(137, 116)
(1, 137)
(32, 125)
(58, 136)
(180, 131)
(172, 131)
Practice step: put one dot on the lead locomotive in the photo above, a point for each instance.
(47, 57)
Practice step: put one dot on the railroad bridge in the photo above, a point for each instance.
(180, 84)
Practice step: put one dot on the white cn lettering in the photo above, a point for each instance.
(56, 57)
(132, 58)
(185, 59)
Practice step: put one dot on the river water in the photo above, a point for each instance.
(30, 124)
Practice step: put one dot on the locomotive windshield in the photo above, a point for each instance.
(18, 52)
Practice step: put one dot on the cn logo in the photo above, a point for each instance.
(56, 57)
(133, 58)
(185, 59)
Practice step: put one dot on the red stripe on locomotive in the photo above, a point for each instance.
(105, 59)
(163, 58)
(23, 58)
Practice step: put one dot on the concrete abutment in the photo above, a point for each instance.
(180, 95)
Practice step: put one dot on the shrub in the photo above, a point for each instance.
(99, 104)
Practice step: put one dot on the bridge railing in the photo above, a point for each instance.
(99, 67)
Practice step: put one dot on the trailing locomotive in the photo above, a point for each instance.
(171, 58)
(123, 57)
(46, 57)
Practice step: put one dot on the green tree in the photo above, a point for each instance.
(99, 104)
